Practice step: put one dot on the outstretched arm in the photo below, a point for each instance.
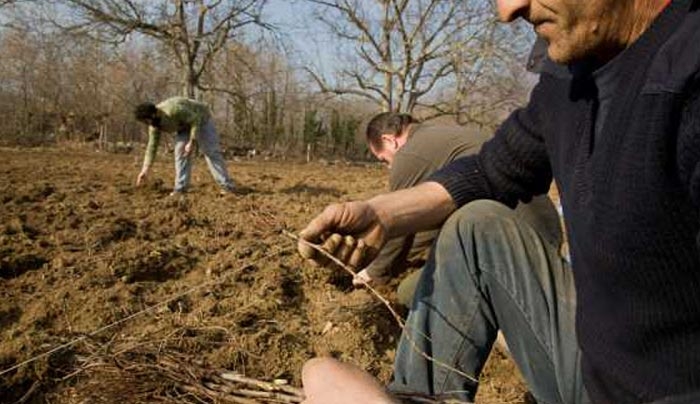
(151, 149)
(371, 223)
(512, 166)
(409, 168)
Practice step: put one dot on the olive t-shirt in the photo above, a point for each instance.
(429, 147)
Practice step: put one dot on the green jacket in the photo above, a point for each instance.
(181, 114)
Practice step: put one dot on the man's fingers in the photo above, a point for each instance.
(357, 256)
(140, 178)
(305, 250)
(346, 219)
(330, 245)
(311, 234)
(313, 231)
(346, 248)
(321, 224)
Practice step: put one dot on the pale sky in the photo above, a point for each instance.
(296, 22)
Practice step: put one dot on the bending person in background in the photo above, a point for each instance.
(413, 151)
(192, 124)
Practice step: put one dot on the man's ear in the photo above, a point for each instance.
(390, 139)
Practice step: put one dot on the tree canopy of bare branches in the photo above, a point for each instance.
(194, 30)
(404, 53)
(74, 68)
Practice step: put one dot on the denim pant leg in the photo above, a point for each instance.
(183, 164)
(210, 146)
(490, 271)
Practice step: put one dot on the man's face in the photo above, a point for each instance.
(155, 121)
(574, 29)
(387, 151)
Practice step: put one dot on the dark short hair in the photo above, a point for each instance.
(145, 112)
(386, 122)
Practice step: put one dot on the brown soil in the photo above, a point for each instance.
(81, 247)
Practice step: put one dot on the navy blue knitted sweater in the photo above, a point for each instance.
(630, 202)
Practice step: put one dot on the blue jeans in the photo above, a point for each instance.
(208, 141)
(490, 270)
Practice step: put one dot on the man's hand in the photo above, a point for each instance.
(189, 146)
(352, 232)
(142, 177)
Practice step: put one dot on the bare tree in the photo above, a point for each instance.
(410, 54)
(400, 47)
(194, 30)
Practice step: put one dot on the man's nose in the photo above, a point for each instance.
(509, 10)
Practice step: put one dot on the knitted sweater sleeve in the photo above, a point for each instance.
(513, 166)
(689, 147)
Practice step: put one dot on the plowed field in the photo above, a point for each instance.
(204, 277)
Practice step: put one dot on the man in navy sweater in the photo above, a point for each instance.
(615, 121)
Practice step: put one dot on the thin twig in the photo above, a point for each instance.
(235, 377)
(349, 270)
(401, 322)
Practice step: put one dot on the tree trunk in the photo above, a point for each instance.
(190, 84)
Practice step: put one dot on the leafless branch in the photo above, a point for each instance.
(195, 30)
(410, 50)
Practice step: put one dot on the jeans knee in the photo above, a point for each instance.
(479, 219)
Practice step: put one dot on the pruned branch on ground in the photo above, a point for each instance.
(146, 374)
